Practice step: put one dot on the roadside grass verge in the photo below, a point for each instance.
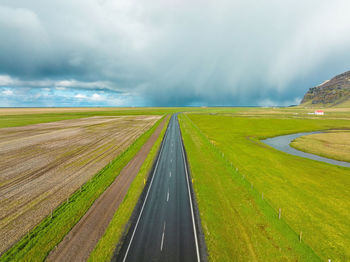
(334, 144)
(37, 244)
(237, 222)
(313, 196)
(105, 247)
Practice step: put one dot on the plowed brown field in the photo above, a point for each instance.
(42, 164)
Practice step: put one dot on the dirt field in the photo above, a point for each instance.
(42, 164)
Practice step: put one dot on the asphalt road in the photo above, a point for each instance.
(164, 229)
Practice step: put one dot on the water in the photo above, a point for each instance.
(282, 143)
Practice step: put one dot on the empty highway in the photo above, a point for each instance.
(164, 229)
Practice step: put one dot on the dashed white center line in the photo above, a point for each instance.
(170, 174)
(171, 160)
(167, 198)
(161, 244)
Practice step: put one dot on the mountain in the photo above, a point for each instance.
(333, 92)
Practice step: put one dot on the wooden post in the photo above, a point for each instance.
(301, 234)
(279, 214)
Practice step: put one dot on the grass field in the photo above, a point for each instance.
(314, 197)
(36, 245)
(333, 144)
(107, 244)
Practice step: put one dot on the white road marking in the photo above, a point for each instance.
(189, 195)
(170, 174)
(144, 202)
(167, 198)
(161, 244)
(171, 160)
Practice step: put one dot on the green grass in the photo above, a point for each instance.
(37, 244)
(314, 196)
(107, 244)
(238, 224)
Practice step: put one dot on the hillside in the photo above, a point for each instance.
(333, 92)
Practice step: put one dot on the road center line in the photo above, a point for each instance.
(161, 244)
(170, 174)
(167, 198)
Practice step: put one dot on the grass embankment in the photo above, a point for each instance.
(107, 244)
(238, 223)
(333, 144)
(37, 244)
(313, 196)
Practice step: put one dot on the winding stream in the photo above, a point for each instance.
(282, 143)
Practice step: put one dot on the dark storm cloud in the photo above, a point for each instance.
(175, 52)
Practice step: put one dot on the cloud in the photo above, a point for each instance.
(80, 96)
(93, 97)
(7, 92)
(6, 80)
(239, 52)
(97, 97)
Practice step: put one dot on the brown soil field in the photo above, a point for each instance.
(43, 164)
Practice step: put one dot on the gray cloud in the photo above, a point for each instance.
(177, 52)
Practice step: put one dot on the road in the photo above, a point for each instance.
(164, 229)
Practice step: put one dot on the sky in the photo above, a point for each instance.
(169, 52)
